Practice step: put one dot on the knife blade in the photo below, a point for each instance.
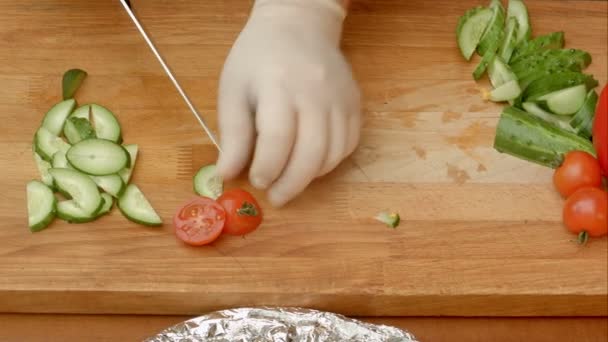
(127, 5)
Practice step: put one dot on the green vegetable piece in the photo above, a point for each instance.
(509, 41)
(553, 40)
(555, 120)
(470, 29)
(525, 136)
(392, 220)
(72, 79)
(582, 122)
(507, 91)
(468, 14)
(84, 128)
(547, 62)
(517, 9)
(500, 73)
(492, 38)
(555, 82)
(485, 62)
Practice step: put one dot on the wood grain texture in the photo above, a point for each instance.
(102, 328)
(481, 232)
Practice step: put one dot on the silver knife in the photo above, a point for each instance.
(127, 6)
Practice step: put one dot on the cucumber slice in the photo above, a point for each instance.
(527, 137)
(106, 125)
(108, 201)
(80, 188)
(471, 31)
(517, 9)
(549, 62)
(555, 120)
(69, 211)
(499, 72)
(582, 122)
(566, 101)
(208, 183)
(553, 40)
(55, 117)
(47, 144)
(43, 168)
(112, 184)
(468, 14)
(492, 37)
(98, 157)
(555, 82)
(506, 92)
(70, 130)
(41, 205)
(510, 40)
(126, 173)
(72, 79)
(82, 128)
(60, 161)
(485, 62)
(134, 206)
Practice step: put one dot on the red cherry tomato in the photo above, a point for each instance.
(243, 213)
(579, 170)
(600, 131)
(585, 212)
(199, 221)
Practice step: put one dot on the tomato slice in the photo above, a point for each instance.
(199, 222)
(243, 213)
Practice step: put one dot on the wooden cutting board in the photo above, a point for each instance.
(481, 232)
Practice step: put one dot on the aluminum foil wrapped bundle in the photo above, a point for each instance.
(279, 325)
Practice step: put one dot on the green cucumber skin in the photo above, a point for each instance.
(120, 204)
(54, 119)
(49, 219)
(525, 136)
(468, 44)
(510, 40)
(468, 14)
(492, 38)
(553, 40)
(134, 220)
(582, 121)
(549, 62)
(555, 82)
(72, 79)
(484, 63)
(83, 219)
(83, 129)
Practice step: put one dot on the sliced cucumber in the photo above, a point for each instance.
(582, 122)
(471, 31)
(46, 144)
(60, 161)
(208, 183)
(566, 101)
(499, 72)
(80, 188)
(485, 62)
(126, 173)
(553, 40)
(55, 117)
(555, 120)
(112, 184)
(41, 205)
(555, 82)
(108, 201)
(106, 124)
(43, 168)
(69, 211)
(134, 206)
(527, 137)
(506, 92)
(517, 9)
(468, 14)
(70, 130)
(72, 79)
(98, 157)
(510, 40)
(492, 37)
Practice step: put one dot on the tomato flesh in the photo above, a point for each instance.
(199, 222)
(243, 213)
(586, 211)
(579, 170)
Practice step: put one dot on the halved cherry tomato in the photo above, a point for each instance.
(199, 221)
(243, 213)
(600, 131)
(579, 170)
(585, 213)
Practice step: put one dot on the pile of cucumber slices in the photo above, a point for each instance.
(81, 159)
(552, 102)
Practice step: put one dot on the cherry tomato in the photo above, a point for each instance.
(585, 212)
(600, 131)
(243, 213)
(579, 170)
(199, 221)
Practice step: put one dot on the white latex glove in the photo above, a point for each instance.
(287, 90)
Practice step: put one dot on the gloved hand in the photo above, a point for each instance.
(287, 90)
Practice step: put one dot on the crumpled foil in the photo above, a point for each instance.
(279, 325)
